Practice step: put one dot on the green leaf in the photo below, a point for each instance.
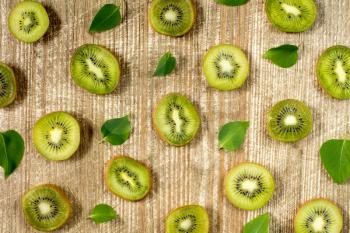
(232, 135)
(232, 2)
(259, 224)
(335, 157)
(116, 131)
(11, 151)
(106, 18)
(284, 56)
(166, 65)
(103, 213)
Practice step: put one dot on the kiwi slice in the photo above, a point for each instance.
(95, 69)
(333, 71)
(56, 136)
(289, 121)
(28, 21)
(128, 178)
(225, 67)
(176, 119)
(172, 17)
(188, 219)
(249, 186)
(8, 85)
(46, 207)
(319, 216)
(291, 15)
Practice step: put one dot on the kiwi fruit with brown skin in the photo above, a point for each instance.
(8, 85)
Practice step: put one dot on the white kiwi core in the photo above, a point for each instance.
(289, 9)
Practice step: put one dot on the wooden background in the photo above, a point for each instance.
(194, 173)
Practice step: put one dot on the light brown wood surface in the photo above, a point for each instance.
(190, 174)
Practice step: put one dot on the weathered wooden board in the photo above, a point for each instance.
(194, 173)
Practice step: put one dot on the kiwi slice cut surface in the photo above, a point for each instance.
(318, 216)
(95, 69)
(225, 67)
(128, 178)
(188, 219)
(249, 186)
(291, 15)
(46, 207)
(28, 21)
(176, 119)
(289, 120)
(8, 85)
(333, 71)
(172, 17)
(56, 136)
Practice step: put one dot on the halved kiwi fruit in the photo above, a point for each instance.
(318, 216)
(176, 120)
(46, 207)
(249, 186)
(8, 85)
(172, 17)
(291, 15)
(28, 21)
(128, 178)
(188, 219)
(333, 71)
(56, 136)
(289, 120)
(225, 67)
(95, 69)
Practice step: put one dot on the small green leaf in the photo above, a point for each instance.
(106, 18)
(166, 65)
(116, 131)
(335, 157)
(259, 224)
(232, 135)
(232, 2)
(103, 213)
(284, 56)
(11, 151)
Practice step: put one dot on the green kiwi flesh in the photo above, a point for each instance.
(249, 186)
(95, 69)
(318, 216)
(46, 207)
(333, 71)
(291, 15)
(8, 85)
(289, 120)
(172, 17)
(176, 120)
(225, 67)
(28, 21)
(128, 178)
(188, 219)
(56, 136)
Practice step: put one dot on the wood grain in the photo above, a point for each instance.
(190, 174)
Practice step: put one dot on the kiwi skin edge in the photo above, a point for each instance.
(128, 157)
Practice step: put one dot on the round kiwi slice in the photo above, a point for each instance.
(95, 69)
(188, 219)
(249, 186)
(172, 17)
(8, 85)
(128, 178)
(333, 71)
(176, 119)
(56, 136)
(46, 207)
(225, 67)
(289, 121)
(319, 216)
(28, 21)
(291, 15)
